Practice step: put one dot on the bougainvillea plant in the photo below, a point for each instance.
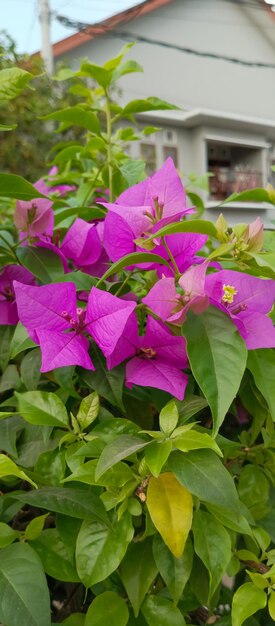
(137, 408)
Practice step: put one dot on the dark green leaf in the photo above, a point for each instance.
(107, 608)
(174, 571)
(24, 595)
(129, 259)
(99, 549)
(119, 449)
(43, 263)
(10, 379)
(212, 544)
(217, 355)
(108, 384)
(79, 503)
(30, 369)
(6, 333)
(261, 363)
(13, 186)
(202, 473)
(56, 559)
(9, 429)
(138, 571)
(20, 341)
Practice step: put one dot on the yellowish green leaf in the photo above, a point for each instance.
(171, 509)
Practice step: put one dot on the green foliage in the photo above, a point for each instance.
(126, 504)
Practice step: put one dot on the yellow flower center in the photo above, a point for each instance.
(228, 294)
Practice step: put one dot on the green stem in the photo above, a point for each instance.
(126, 280)
(173, 261)
(109, 143)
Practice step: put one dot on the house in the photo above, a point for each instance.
(216, 60)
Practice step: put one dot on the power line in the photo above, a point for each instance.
(128, 36)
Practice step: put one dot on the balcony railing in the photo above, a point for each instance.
(227, 180)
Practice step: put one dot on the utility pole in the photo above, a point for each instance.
(46, 47)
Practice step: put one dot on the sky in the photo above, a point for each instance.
(20, 18)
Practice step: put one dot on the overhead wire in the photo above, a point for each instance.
(103, 29)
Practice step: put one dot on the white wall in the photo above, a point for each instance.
(215, 26)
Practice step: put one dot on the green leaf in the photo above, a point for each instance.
(126, 68)
(43, 263)
(148, 104)
(265, 262)
(99, 549)
(230, 519)
(194, 440)
(13, 186)
(12, 82)
(204, 475)
(9, 468)
(10, 379)
(271, 604)
(191, 226)
(217, 355)
(133, 171)
(56, 558)
(157, 454)
(79, 503)
(88, 410)
(129, 259)
(30, 369)
(159, 611)
(171, 509)
(119, 449)
(108, 384)
(107, 608)
(168, 417)
(101, 75)
(42, 408)
(7, 535)
(247, 600)
(6, 333)
(24, 595)
(6, 127)
(261, 364)
(9, 430)
(212, 544)
(20, 341)
(174, 571)
(254, 489)
(76, 115)
(251, 195)
(35, 527)
(190, 406)
(116, 476)
(75, 619)
(138, 571)
(82, 281)
(67, 154)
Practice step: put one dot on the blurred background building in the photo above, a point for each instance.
(215, 59)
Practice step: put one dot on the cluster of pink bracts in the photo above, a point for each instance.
(63, 329)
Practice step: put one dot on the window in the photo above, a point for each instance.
(171, 151)
(234, 169)
(149, 154)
